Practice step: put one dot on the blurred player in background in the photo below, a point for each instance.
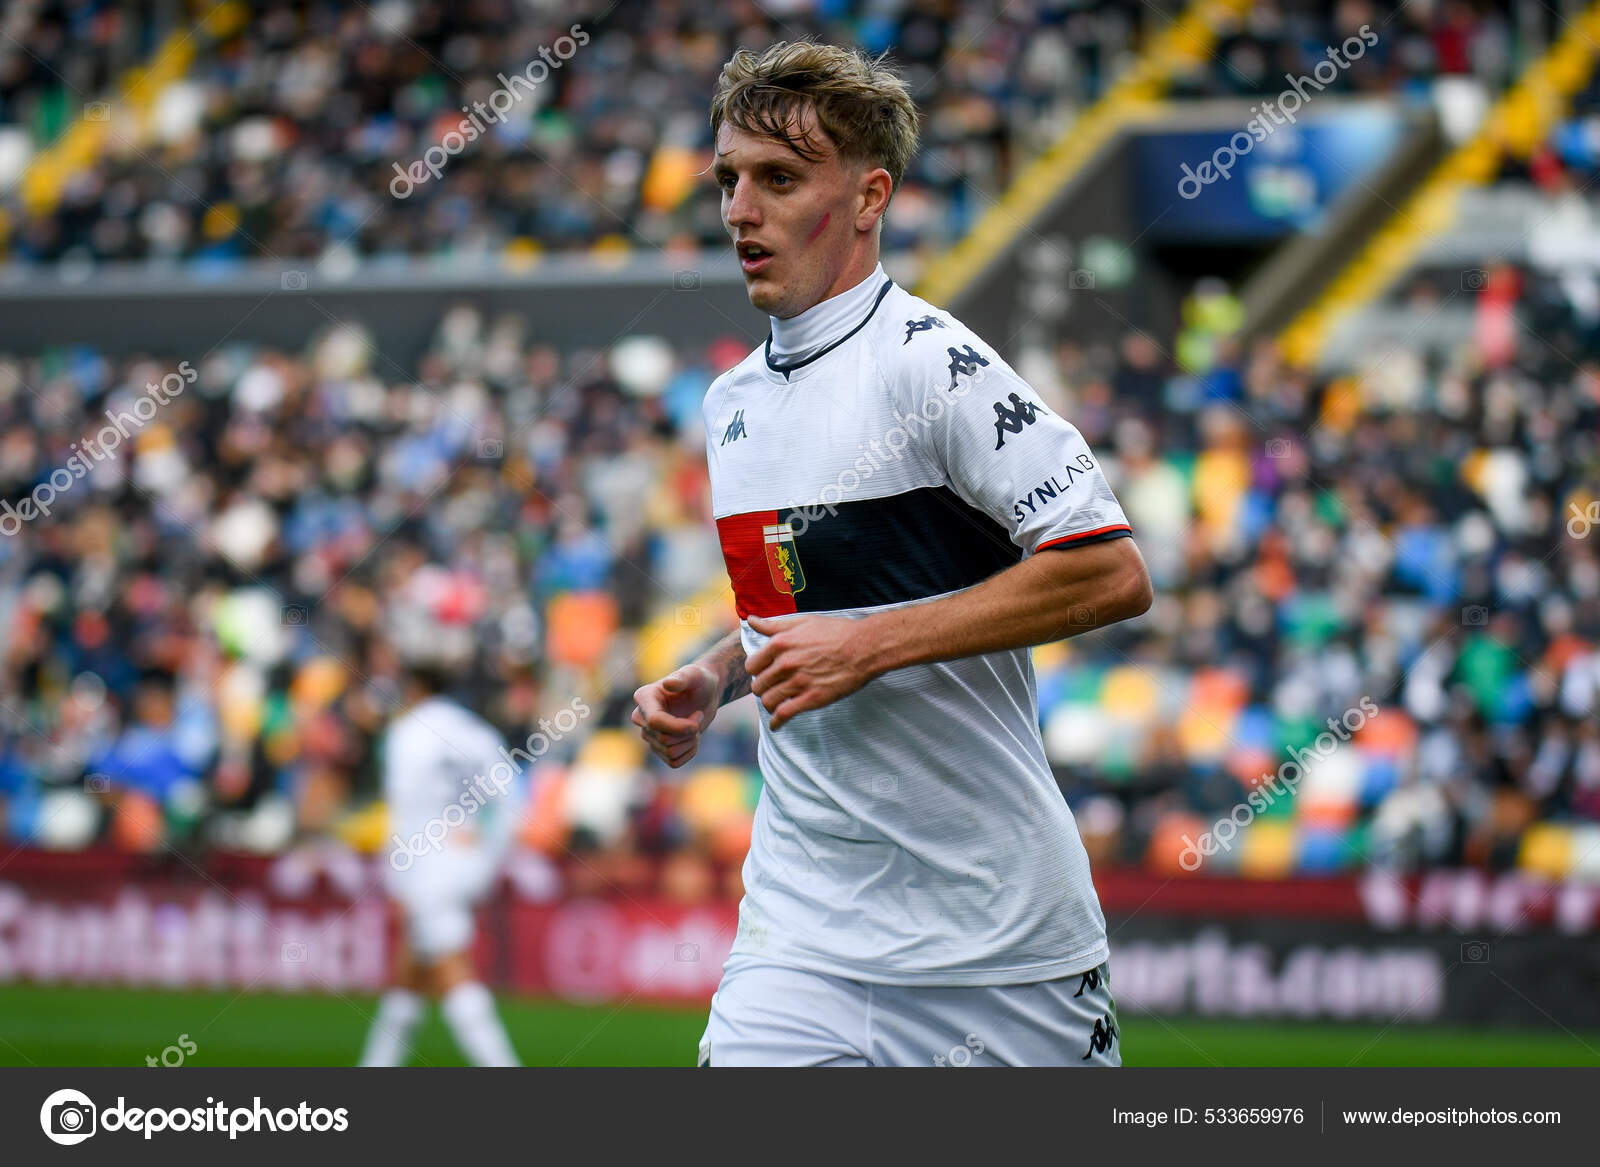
(915, 883)
(447, 785)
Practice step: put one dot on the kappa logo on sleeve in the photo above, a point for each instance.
(926, 324)
(964, 362)
(1011, 421)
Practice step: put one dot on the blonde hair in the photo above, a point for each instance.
(862, 104)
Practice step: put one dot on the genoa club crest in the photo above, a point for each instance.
(783, 561)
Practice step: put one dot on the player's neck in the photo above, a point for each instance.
(826, 321)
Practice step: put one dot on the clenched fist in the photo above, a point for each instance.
(673, 712)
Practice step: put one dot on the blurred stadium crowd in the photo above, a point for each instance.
(284, 138)
(202, 636)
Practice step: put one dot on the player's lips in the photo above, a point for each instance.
(753, 256)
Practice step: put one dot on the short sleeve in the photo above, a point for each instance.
(1001, 449)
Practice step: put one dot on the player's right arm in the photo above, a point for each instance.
(673, 712)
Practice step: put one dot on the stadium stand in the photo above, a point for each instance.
(200, 637)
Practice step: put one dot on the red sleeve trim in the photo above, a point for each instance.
(1082, 535)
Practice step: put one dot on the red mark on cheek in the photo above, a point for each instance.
(819, 228)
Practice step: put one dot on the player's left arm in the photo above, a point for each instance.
(812, 661)
(1029, 471)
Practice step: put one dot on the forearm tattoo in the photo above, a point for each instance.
(738, 681)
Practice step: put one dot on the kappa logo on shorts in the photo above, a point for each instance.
(1105, 1032)
(1090, 981)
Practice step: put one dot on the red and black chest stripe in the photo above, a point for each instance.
(860, 553)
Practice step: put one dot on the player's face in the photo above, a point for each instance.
(792, 219)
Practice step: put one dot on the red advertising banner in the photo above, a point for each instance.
(608, 950)
(316, 920)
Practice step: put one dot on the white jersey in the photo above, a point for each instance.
(443, 767)
(910, 833)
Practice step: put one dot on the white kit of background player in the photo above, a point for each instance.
(434, 753)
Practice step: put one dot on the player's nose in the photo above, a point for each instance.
(743, 208)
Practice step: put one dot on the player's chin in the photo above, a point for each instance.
(763, 292)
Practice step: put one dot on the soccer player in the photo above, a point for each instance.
(438, 754)
(901, 519)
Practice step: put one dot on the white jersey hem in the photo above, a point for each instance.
(868, 974)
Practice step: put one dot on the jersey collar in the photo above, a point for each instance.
(796, 342)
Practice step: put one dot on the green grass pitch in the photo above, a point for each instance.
(60, 1026)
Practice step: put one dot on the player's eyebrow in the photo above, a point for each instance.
(763, 167)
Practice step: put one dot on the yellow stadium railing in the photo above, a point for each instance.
(1184, 43)
(1516, 125)
(130, 106)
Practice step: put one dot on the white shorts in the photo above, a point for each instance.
(765, 1014)
(438, 895)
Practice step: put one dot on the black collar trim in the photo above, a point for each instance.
(826, 349)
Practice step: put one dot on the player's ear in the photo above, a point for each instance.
(873, 198)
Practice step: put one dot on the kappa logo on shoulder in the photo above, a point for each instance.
(964, 362)
(1010, 421)
(926, 324)
(735, 429)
